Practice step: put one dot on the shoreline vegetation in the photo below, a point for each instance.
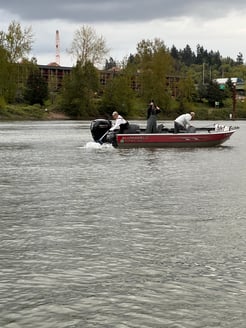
(30, 113)
(36, 112)
(179, 81)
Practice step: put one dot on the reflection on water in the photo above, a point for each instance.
(91, 236)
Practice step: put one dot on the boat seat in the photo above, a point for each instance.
(191, 129)
(160, 127)
(133, 128)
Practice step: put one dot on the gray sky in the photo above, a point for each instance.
(215, 25)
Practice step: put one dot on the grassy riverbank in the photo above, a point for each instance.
(21, 112)
(25, 112)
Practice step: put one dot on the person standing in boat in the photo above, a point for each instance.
(152, 112)
(120, 123)
(182, 122)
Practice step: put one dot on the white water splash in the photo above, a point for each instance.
(97, 145)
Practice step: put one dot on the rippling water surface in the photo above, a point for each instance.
(92, 236)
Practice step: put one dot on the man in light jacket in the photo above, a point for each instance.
(182, 122)
(120, 123)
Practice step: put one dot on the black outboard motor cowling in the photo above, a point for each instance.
(99, 127)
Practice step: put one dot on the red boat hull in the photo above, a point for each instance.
(164, 140)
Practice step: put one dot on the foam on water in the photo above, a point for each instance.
(96, 145)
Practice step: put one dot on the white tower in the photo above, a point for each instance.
(57, 47)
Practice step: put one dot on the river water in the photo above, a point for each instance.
(92, 236)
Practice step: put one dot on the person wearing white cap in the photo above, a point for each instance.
(120, 123)
(182, 122)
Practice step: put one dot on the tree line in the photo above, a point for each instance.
(83, 96)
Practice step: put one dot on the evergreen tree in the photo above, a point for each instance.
(215, 94)
(36, 91)
(214, 59)
(239, 59)
(187, 56)
(175, 53)
(111, 63)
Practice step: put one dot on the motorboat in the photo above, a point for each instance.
(136, 137)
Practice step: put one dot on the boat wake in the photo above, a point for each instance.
(96, 145)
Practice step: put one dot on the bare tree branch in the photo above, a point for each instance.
(87, 46)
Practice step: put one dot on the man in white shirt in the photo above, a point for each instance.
(182, 122)
(120, 123)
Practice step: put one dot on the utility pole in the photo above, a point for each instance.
(203, 73)
(234, 101)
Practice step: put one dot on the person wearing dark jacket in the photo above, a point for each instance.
(152, 112)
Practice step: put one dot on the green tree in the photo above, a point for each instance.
(239, 59)
(36, 91)
(4, 73)
(16, 41)
(187, 56)
(21, 72)
(201, 92)
(175, 53)
(79, 93)
(215, 94)
(15, 44)
(155, 64)
(8, 77)
(118, 95)
(187, 93)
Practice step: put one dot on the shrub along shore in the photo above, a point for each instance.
(36, 112)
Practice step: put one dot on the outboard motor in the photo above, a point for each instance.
(99, 127)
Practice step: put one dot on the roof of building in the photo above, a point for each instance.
(233, 79)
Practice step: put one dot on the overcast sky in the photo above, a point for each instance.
(214, 24)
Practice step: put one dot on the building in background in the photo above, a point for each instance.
(238, 83)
